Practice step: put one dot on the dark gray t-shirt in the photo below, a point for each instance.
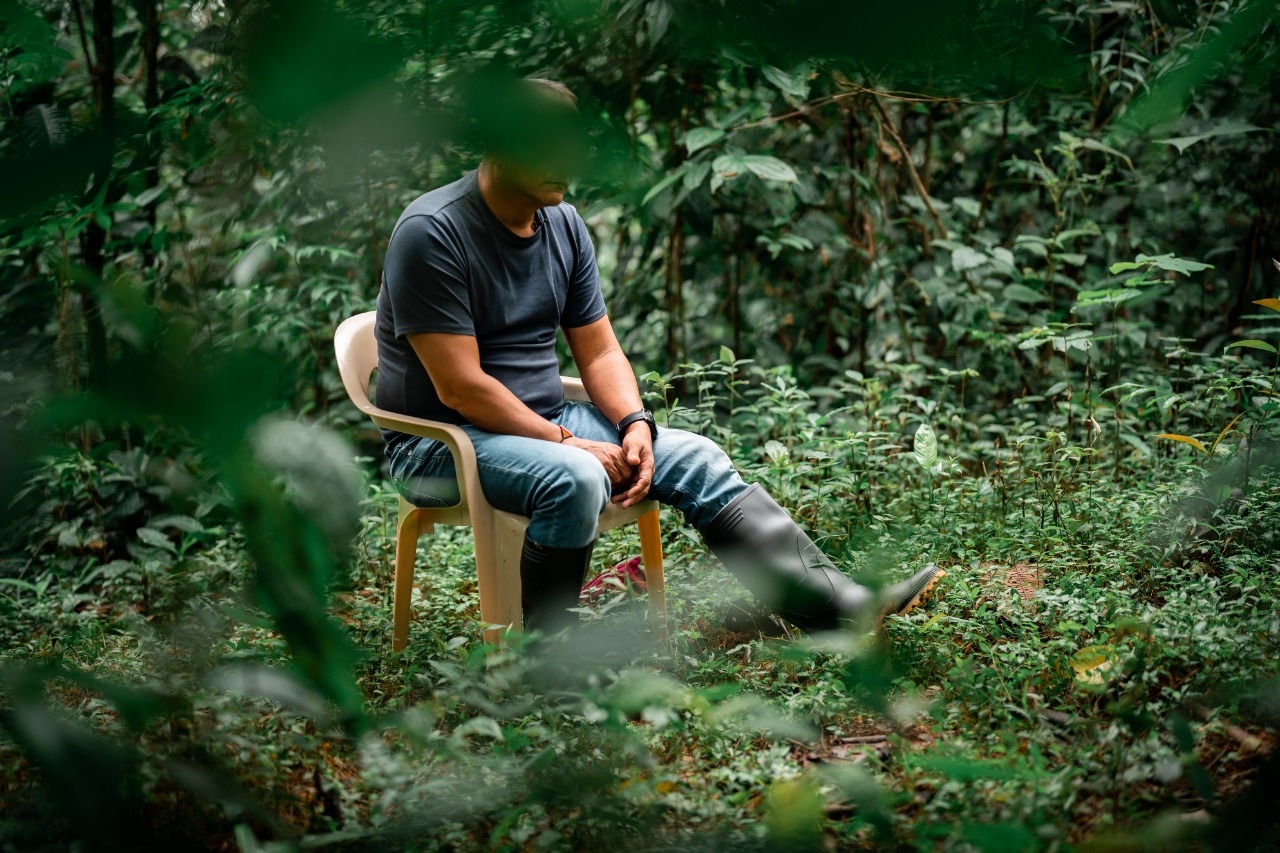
(453, 267)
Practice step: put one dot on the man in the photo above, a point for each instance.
(479, 275)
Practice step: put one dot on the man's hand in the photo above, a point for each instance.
(637, 450)
(611, 457)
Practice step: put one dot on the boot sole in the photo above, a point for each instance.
(916, 596)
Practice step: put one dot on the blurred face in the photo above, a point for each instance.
(542, 148)
(543, 184)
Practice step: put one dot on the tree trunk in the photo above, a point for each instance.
(103, 70)
(151, 101)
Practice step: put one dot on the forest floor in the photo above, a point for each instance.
(1106, 677)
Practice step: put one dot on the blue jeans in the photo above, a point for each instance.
(561, 489)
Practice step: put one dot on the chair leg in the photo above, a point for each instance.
(498, 573)
(407, 529)
(651, 555)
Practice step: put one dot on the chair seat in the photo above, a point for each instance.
(459, 515)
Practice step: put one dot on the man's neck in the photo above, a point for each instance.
(512, 207)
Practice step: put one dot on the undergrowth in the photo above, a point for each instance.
(1096, 662)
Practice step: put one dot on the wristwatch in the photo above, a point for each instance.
(642, 415)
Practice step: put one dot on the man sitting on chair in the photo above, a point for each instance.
(479, 275)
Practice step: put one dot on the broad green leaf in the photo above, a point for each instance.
(1167, 262)
(1110, 296)
(700, 137)
(486, 726)
(795, 84)
(964, 258)
(1124, 266)
(1022, 293)
(155, 539)
(926, 447)
(769, 168)
(696, 174)
(661, 185)
(1185, 439)
(185, 523)
(1252, 344)
(1229, 128)
(725, 167)
(1174, 264)
(726, 355)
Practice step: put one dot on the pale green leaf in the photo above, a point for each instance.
(700, 137)
(1252, 344)
(155, 539)
(926, 447)
(795, 84)
(661, 185)
(1022, 293)
(1229, 128)
(769, 168)
(1173, 264)
(964, 258)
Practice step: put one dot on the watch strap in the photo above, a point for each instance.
(642, 415)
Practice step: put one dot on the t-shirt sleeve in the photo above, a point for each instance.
(426, 275)
(584, 303)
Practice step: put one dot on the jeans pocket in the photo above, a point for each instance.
(423, 472)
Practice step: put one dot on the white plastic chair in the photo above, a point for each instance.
(499, 536)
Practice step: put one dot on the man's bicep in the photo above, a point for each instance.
(427, 281)
(452, 362)
(589, 342)
(585, 303)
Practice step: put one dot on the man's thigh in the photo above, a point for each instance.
(516, 473)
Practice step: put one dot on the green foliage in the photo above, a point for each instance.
(914, 267)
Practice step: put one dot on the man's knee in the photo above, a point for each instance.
(581, 486)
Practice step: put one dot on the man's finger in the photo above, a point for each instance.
(636, 494)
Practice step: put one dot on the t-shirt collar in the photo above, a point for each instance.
(496, 224)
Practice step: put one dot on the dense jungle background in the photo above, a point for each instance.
(983, 282)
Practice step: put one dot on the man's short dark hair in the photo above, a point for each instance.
(553, 86)
(529, 119)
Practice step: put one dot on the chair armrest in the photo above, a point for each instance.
(574, 389)
(453, 436)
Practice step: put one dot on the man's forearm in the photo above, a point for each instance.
(611, 385)
(491, 406)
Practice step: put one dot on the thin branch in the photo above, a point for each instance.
(84, 43)
(911, 167)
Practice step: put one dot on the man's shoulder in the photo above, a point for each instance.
(438, 204)
(564, 215)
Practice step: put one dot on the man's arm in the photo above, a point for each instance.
(453, 364)
(611, 384)
(606, 372)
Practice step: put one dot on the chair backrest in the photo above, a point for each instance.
(357, 352)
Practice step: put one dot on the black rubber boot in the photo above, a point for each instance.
(782, 567)
(550, 582)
